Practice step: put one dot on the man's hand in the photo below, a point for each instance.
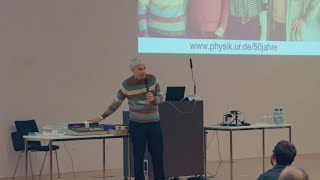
(150, 97)
(298, 25)
(219, 32)
(97, 119)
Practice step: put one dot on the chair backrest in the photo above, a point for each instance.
(17, 141)
(25, 126)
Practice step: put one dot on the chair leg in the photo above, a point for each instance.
(45, 156)
(30, 164)
(57, 163)
(15, 170)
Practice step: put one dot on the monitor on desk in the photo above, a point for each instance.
(175, 93)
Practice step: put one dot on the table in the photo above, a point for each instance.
(71, 138)
(260, 126)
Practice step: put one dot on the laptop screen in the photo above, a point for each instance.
(175, 93)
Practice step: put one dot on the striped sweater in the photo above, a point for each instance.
(140, 109)
(164, 17)
(245, 8)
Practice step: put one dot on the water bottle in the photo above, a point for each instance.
(276, 116)
(281, 119)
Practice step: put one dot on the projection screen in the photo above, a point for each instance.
(251, 27)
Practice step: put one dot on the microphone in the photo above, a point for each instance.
(146, 83)
(194, 83)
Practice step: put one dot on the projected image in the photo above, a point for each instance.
(280, 27)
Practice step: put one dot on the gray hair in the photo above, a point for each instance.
(292, 173)
(135, 62)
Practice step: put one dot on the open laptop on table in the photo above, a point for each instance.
(175, 93)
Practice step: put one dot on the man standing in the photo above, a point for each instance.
(283, 155)
(143, 93)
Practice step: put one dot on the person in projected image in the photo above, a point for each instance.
(207, 19)
(278, 20)
(303, 20)
(162, 18)
(294, 20)
(244, 20)
(143, 93)
(283, 155)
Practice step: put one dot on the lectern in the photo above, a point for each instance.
(182, 127)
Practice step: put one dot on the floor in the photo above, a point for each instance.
(243, 169)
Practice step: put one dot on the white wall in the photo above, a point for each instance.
(64, 60)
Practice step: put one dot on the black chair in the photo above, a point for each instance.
(23, 128)
(18, 146)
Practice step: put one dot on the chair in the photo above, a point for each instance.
(23, 128)
(18, 146)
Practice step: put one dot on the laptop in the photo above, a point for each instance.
(175, 93)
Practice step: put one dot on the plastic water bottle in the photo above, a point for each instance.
(281, 118)
(276, 116)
